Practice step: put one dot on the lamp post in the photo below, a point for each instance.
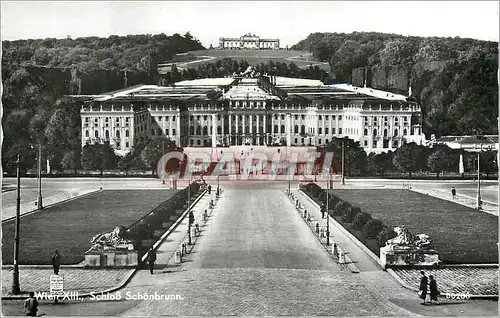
(163, 168)
(478, 201)
(189, 205)
(15, 281)
(343, 179)
(40, 205)
(327, 216)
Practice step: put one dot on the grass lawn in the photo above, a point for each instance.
(460, 234)
(70, 226)
(253, 57)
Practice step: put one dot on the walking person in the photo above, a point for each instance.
(31, 305)
(209, 189)
(434, 292)
(422, 292)
(453, 193)
(151, 259)
(56, 262)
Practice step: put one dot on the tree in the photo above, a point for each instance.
(438, 161)
(410, 157)
(70, 161)
(99, 157)
(154, 149)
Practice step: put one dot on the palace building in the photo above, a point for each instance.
(251, 109)
(249, 41)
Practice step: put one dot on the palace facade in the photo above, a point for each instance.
(249, 41)
(251, 110)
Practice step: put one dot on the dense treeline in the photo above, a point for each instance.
(454, 79)
(410, 158)
(227, 66)
(37, 73)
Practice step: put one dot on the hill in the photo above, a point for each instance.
(454, 79)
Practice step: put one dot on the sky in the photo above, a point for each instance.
(290, 21)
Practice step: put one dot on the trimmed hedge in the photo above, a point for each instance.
(371, 228)
(144, 228)
(360, 220)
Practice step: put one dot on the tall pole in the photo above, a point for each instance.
(40, 205)
(343, 179)
(189, 206)
(15, 281)
(163, 168)
(479, 203)
(327, 214)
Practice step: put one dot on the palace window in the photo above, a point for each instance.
(191, 118)
(126, 133)
(127, 144)
(395, 132)
(126, 119)
(365, 132)
(340, 117)
(96, 134)
(191, 142)
(218, 117)
(340, 131)
(198, 142)
(320, 117)
(191, 130)
(205, 130)
(107, 119)
(166, 132)
(276, 128)
(282, 129)
(107, 134)
(276, 116)
(296, 129)
(296, 117)
(405, 132)
(326, 130)
(87, 133)
(173, 118)
(385, 132)
(219, 130)
(366, 143)
(303, 117)
(326, 117)
(205, 117)
(374, 145)
(282, 117)
(173, 132)
(118, 145)
(198, 118)
(159, 131)
(302, 129)
(117, 134)
(320, 130)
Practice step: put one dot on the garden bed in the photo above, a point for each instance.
(69, 227)
(460, 234)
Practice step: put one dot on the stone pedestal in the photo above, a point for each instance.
(411, 256)
(111, 257)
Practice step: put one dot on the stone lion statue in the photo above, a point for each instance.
(110, 239)
(405, 239)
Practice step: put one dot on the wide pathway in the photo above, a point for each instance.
(256, 256)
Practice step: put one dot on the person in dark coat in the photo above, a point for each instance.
(151, 259)
(453, 193)
(422, 291)
(56, 262)
(434, 292)
(209, 189)
(31, 305)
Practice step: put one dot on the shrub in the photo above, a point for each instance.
(384, 235)
(140, 231)
(350, 213)
(372, 228)
(340, 208)
(359, 221)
